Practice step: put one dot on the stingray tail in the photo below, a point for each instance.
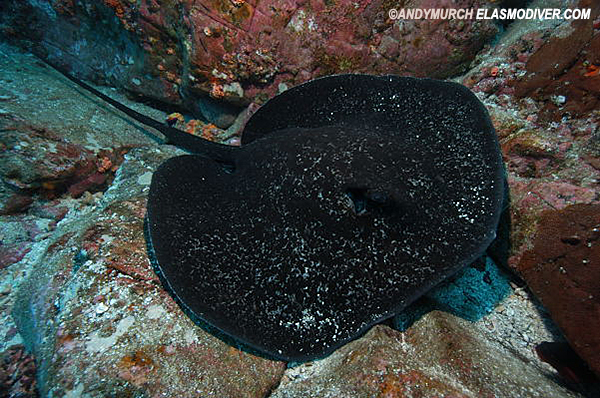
(219, 152)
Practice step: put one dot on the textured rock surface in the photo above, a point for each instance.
(438, 356)
(17, 374)
(201, 52)
(551, 161)
(564, 71)
(37, 160)
(563, 270)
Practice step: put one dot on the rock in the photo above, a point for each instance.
(564, 72)
(12, 253)
(223, 115)
(242, 52)
(563, 271)
(550, 164)
(17, 203)
(592, 148)
(530, 153)
(440, 355)
(17, 374)
(17, 236)
(568, 364)
(85, 299)
(37, 160)
(529, 198)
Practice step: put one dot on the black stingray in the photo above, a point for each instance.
(351, 196)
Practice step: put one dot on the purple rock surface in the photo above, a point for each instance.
(209, 54)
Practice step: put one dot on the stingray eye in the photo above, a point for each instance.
(358, 198)
(366, 200)
(377, 197)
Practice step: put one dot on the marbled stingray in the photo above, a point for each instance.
(350, 197)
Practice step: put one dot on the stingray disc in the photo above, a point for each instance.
(354, 195)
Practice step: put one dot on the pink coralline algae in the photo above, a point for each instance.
(17, 374)
(247, 51)
(12, 253)
(36, 160)
(563, 270)
(564, 70)
(16, 204)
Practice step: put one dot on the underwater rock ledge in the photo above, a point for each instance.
(206, 57)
